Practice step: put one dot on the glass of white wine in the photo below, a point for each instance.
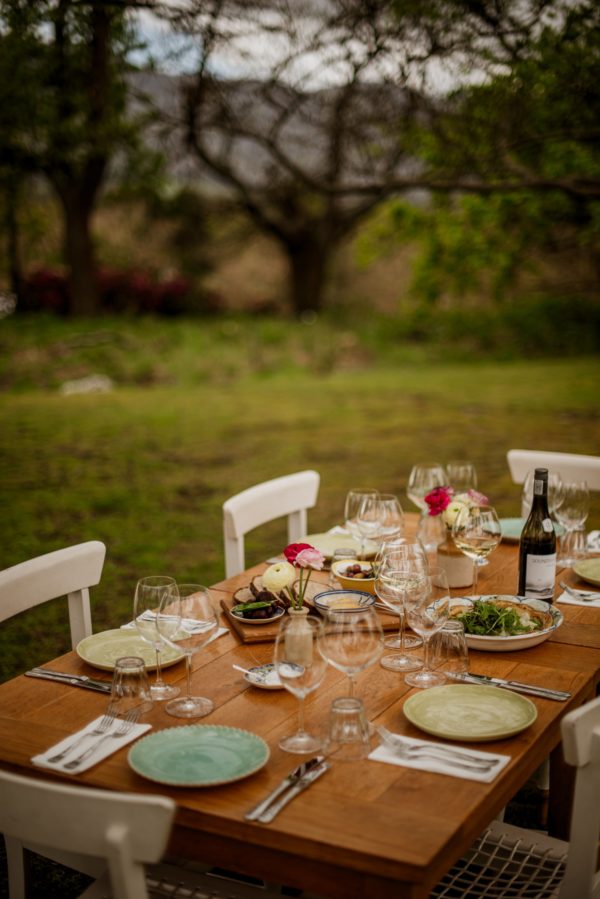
(476, 532)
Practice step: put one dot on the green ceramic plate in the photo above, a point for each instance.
(511, 529)
(327, 543)
(102, 650)
(198, 755)
(589, 570)
(470, 712)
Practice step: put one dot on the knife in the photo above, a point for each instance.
(293, 791)
(517, 686)
(76, 680)
(292, 778)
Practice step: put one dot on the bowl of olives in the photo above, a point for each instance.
(355, 575)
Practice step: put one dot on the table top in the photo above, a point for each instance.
(365, 828)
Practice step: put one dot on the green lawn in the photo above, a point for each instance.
(146, 468)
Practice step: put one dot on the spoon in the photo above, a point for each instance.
(585, 595)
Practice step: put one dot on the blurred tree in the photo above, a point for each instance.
(63, 116)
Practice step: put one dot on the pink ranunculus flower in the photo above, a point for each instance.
(480, 499)
(439, 499)
(291, 551)
(310, 558)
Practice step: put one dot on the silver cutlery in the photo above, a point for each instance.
(124, 728)
(584, 595)
(292, 778)
(75, 680)
(436, 751)
(302, 784)
(103, 726)
(515, 685)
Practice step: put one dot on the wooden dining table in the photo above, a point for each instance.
(365, 828)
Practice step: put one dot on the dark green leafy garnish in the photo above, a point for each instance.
(488, 620)
(260, 609)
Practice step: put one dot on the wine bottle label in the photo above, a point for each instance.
(547, 525)
(538, 488)
(540, 572)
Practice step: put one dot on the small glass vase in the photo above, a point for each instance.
(298, 637)
(458, 567)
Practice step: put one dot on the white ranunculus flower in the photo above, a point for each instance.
(451, 511)
(279, 576)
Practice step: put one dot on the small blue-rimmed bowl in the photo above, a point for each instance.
(343, 600)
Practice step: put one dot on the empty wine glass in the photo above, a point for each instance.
(352, 506)
(461, 476)
(301, 667)
(423, 479)
(554, 485)
(352, 641)
(149, 593)
(396, 573)
(427, 610)
(476, 532)
(572, 509)
(391, 518)
(187, 623)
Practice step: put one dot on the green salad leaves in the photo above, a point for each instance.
(489, 620)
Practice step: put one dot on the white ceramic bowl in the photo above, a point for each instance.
(343, 600)
(518, 641)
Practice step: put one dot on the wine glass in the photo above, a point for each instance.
(476, 532)
(187, 623)
(423, 479)
(572, 508)
(554, 486)
(395, 575)
(354, 501)
(391, 518)
(461, 476)
(301, 668)
(427, 610)
(352, 641)
(149, 593)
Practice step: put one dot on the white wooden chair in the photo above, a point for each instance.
(290, 495)
(570, 466)
(508, 861)
(103, 833)
(65, 572)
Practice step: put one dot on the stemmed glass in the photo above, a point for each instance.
(428, 607)
(352, 641)
(391, 518)
(149, 593)
(572, 509)
(476, 532)
(461, 476)
(187, 623)
(554, 488)
(352, 507)
(396, 574)
(301, 668)
(423, 479)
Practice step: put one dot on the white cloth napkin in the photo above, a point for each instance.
(106, 748)
(571, 601)
(428, 763)
(593, 541)
(191, 625)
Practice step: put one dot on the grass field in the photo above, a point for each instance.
(194, 417)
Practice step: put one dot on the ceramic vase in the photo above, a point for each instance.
(458, 567)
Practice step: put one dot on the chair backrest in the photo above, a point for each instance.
(290, 495)
(66, 572)
(570, 466)
(126, 830)
(581, 748)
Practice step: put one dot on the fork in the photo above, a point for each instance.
(123, 729)
(441, 753)
(101, 728)
(585, 595)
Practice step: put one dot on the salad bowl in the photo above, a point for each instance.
(503, 623)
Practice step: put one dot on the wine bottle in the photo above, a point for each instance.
(537, 547)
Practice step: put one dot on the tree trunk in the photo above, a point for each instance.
(308, 262)
(84, 298)
(12, 238)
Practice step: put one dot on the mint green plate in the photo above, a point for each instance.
(469, 712)
(589, 570)
(198, 755)
(511, 529)
(102, 650)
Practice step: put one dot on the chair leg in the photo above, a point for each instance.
(15, 861)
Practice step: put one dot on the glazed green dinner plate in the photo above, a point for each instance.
(198, 755)
(470, 712)
(102, 650)
(589, 570)
(511, 529)
(327, 543)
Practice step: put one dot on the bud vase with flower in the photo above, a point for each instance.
(443, 502)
